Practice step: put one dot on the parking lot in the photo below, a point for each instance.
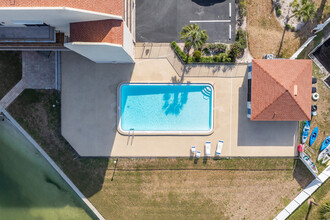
(162, 20)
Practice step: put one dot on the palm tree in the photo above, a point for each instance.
(304, 10)
(193, 34)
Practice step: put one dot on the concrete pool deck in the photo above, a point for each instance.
(89, 114)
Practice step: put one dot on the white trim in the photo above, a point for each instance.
(110, 16)
(93, 44)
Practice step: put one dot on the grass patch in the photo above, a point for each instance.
(162, 188)
(10, 70)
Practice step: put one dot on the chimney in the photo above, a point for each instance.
(295, 90)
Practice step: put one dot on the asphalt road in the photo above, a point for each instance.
(162, 20)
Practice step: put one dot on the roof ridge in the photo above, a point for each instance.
(270, 104)
(277, 83)
(292, 84)
(273, 78)
(298, 105)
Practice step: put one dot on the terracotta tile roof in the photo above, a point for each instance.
(110, 31)
(115, 7)
(273, 96)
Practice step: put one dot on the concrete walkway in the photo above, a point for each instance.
(12, 94)
(164, 50)
(38, 72)
(304, 195)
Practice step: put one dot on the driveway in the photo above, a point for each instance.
(161, 20)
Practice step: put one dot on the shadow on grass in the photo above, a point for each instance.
(301, 174)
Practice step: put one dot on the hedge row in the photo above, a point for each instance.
(236, 50)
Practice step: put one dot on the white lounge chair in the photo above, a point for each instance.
(193, 150)
(219, 148)
(198, 154)
(207, 148)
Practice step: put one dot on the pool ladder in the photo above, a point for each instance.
(130, 134)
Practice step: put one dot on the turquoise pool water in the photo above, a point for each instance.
(166, 107)
(29, 186)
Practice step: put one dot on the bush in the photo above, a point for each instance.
(221, 48)
(178, 51)
(211, 46)
(287, 27)
(235, 51)
(242, 7)
(187, 44)
(197, 55)
(278, 12)
(206, 51)
(241, 38)
(293, 29)
(224, 58)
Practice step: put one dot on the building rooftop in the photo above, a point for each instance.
(281, 90)
(114, 7)
(109, 31)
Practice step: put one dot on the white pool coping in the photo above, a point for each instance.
(133, 132)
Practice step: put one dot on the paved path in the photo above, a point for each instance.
(38, 72)
(164, 51)
(12, 94)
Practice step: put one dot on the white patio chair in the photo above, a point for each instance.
(219, 148)
(193, 150)
(198, 154)
(207, 148)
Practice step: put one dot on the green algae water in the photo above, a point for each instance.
(30, 188)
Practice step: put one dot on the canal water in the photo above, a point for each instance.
(30, 188)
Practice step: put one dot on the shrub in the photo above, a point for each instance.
(178, 51)
(206, 51)
(224, 58)
(212, 46)
(235, 51)
(242, 7)
(278, 12)
(221, 48)
(293, 29)
(287, 27)
(241, 38)
(187, 44)
(197, 55)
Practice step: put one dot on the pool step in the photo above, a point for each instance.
(207, 92)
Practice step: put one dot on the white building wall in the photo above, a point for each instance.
(101, 52)
(58, 17)
(128, 42)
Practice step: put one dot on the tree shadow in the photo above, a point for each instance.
(207, 2)
(301, 174)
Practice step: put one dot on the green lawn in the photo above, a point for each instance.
(163, 188)
(10, 70)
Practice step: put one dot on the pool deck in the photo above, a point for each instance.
(89, 113)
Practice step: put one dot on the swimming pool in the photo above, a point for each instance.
(178, 109)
